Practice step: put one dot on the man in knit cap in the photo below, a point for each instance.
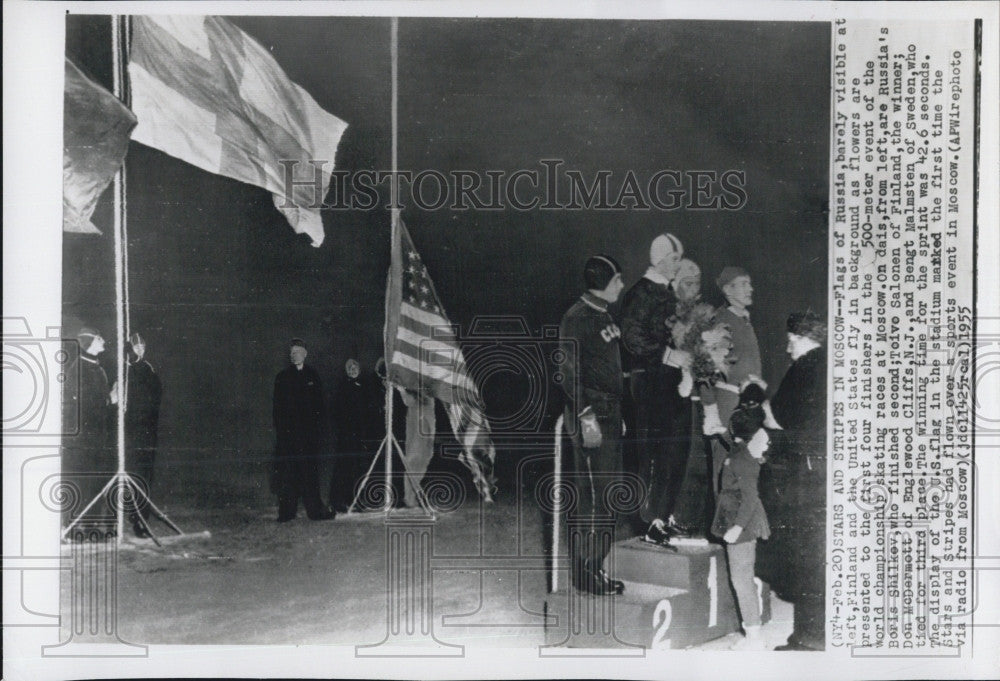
(663, 416)
(742, 365)
(87, 460)
(593, 385)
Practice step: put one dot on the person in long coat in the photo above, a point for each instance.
(299, 421)
(88, 462)
(142, 422)
(793, 484)
(359, 418)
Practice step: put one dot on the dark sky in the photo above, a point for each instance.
(219, 281)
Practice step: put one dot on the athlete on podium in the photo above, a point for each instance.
(593, 416)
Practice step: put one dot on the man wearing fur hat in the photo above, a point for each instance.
(663, 415)
(593, 385)
(87, 461)
(793, 486)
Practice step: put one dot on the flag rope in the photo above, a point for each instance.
(118, 86)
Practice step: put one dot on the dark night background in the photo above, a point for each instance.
(220, 282)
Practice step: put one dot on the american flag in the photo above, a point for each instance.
(425, 356)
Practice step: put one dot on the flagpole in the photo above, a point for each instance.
(119, 87)
(394, 246)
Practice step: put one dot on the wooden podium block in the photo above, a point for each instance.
(671, 600)
(634, 560)
(645, 616)
(701, 570)
(692, 568)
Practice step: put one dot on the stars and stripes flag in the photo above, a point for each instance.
(210, 95)
(425, 356)
(96, 129)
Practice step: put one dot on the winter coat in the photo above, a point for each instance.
(645, 335)
(589, 338)
(793, 482)
(738, 502)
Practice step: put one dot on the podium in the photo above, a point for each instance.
(671, 600)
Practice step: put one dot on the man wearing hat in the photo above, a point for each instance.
(593, 384)
(742, 364)
(793, 485)
(142, 418)
(87, 461)
(663, 416)
(299, 420)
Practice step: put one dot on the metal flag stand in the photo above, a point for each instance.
(389, 443)
(128, 490)
(388, 446)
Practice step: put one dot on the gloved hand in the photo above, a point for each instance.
(686, 384)
(590, 430)
(732, 534)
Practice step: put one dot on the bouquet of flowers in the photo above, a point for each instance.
(695, 331)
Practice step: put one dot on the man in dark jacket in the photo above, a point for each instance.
(87, 460)
(359, 417)
(299, 420)
(593, 417)
(793, 485)
(663, 416)
(142, 420)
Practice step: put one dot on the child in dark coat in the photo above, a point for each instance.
(739, 515)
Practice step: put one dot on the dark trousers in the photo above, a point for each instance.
(695, 507)
(810, 621)
(793, 491)
(591, 519)
(298, 475)
(662, 439)
(139, 462)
